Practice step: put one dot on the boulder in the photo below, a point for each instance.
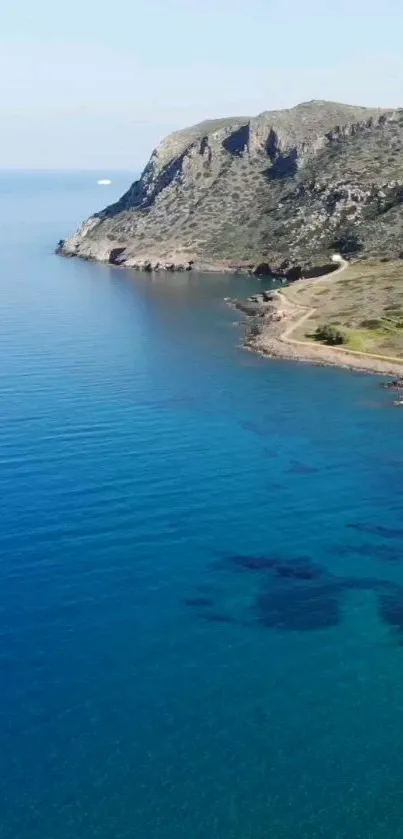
(394, 384)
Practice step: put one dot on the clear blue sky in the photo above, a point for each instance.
(88, 84)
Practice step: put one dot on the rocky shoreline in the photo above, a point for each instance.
(286, 271)
(269, 322)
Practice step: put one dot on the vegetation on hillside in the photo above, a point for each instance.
(295, 184)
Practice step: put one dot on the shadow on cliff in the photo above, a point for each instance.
(282, 165)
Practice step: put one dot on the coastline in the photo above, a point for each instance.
(179, 261)
(277, 320)
(271, 326)
(274, 347)
(185, 260)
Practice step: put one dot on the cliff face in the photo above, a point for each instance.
(291, 184)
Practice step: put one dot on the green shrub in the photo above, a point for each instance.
(330, 335)
(346, 242)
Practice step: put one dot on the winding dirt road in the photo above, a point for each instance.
(309, 351)
(309, 312)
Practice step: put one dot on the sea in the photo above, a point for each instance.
(201, 558)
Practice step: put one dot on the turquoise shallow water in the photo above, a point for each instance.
(201, 602)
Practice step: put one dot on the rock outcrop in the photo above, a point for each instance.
(283, 188)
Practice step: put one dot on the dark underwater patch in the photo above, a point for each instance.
(252, 562)
(300, 568)
(200, 602)
(390, 607)
(377, 530)
(297, 568)
(248, 425)
(218, 617)
(297, 594)
(274, 486)
(384, 553)
(270, 452)
(305, 597)
(300, 607)
(364, 584)
(298, 468)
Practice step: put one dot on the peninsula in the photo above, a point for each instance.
(283, 188)
(277, 194)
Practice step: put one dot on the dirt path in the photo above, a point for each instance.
(273, 344)
(308, 314)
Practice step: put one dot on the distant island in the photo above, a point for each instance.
(274, 195)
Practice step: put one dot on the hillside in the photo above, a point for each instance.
(288, 185)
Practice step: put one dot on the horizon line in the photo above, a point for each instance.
(60, 169)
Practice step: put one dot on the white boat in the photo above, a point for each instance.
(104, 182)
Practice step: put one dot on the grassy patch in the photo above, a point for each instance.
(375, 336)
(362, 339)
(366, 303)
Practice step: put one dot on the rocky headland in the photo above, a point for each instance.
(277, 196)
(273, 194)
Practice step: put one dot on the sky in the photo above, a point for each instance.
(91, 84)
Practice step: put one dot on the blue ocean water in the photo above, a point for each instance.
(201, 601)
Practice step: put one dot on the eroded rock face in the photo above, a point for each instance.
(286, 187)
(263, 270)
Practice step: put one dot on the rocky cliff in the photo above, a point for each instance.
(286, 186)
